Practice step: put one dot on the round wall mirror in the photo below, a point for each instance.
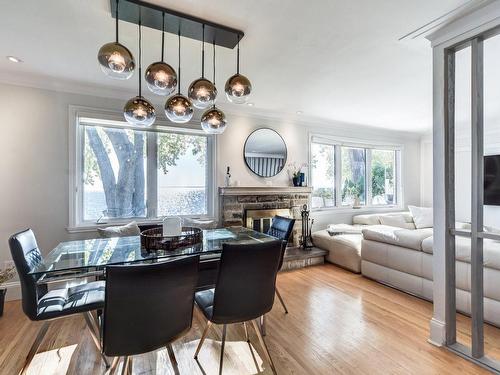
(265, 152)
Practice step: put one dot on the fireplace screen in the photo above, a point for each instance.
(261, 219)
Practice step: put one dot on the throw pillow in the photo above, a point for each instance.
(422, 216)
(131, 229)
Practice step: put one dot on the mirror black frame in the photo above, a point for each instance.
(285, 159)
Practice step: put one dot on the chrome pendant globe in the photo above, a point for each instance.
(213, 121)
(161, 78)
(178, 109)
(238, 89)
(202, 93)
(138, 111)
(116, 61)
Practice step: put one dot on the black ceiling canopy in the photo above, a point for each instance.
(190, 27)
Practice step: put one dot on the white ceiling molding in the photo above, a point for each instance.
(445, 19)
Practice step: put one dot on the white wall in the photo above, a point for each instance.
(426, 171)
(34, 163)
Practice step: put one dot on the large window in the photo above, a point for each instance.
(351, 175)
(122, 172)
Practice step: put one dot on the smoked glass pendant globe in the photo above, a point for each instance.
(116, 61)
(138, 111)
(238, 89)
(161, 78)
(178, 109)
(213, 121)
(202, 93)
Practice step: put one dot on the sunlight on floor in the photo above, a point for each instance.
(53, 362)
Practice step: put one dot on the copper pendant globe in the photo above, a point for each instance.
(238, 89)
(116, 61)
(178, 109)
(140, 112)
(161, 78)
(213, 121)
(202, 93)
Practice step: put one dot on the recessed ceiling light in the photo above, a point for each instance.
(299, 112)
(250, 104)
(14, 59)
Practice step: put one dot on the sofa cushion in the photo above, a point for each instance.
(397, 221)
(374, 219)
(491, 250)
(411, 239)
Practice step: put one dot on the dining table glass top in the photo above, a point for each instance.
(83, 256)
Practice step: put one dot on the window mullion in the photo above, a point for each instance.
(338, 175)
(368, 179)
(152, 174)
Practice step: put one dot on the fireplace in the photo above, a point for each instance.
(254, 207)
(261, 219)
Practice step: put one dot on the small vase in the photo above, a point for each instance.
(2, 300)
(296, 181)
(356, 203)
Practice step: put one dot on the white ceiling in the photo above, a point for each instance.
(335, 60)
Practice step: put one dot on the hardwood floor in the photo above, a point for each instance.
(339, 322)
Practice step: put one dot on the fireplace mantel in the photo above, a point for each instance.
(263, 190)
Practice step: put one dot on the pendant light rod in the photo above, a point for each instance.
(213, 103)
(162, 36)
(116, 23)
(203, 51)
(238, 56)
(179, 67)
(140, 55)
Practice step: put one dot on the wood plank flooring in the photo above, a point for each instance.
(339, 322)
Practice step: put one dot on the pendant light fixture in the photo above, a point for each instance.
(160, 77)
(202, 92)
(115, 60)
(238, 87)
(213, 121)
(138, 111)
(178, 108)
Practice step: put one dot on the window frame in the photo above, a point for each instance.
(115, 119)
(338, 143)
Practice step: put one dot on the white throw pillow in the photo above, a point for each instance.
(131, 229)
(397, 221)
(422, 216)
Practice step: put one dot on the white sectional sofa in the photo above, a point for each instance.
(402, 258)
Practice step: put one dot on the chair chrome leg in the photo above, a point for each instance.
(246, 331)
(171, 355)
(89, 319)
(35, 346)
(203, 337)
(264, 346)
(125, 365)
(113, 367)
(224, 327)
(281, 300)
(263, 324)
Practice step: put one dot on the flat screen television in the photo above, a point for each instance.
(492, 180)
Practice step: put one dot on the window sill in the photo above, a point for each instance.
(92, 227)
(332, 210)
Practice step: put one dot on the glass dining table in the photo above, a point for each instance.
(85, 258)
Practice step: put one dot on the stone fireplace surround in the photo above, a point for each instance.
(234, 202)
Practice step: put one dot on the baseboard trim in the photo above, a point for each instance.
(13, 291)
(437, 335)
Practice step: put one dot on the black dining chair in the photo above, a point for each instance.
(244, 290)
(281, 228)
(39, 304)
(147, 307)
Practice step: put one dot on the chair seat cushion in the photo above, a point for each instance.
(77, 299)
(205, 301)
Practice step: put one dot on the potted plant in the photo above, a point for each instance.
(295, 170)
(352, 190)
(5, 275)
